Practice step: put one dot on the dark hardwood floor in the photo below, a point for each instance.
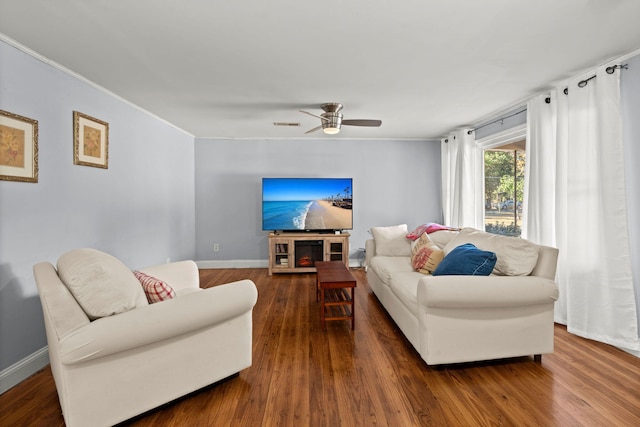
(302, 376)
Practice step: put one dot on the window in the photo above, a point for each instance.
(504, 163)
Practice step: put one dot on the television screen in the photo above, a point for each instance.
(313, 204)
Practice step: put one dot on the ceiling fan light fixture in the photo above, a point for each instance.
(330, 130)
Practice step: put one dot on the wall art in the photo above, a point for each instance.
(90, 141)
(18, 148)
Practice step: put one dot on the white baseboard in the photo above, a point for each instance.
(234, 263)
(250, 263)
(23, 369)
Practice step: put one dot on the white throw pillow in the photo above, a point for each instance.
(392, 241)
(101, 283)
(516, 256)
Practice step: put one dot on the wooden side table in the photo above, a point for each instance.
(333, 282)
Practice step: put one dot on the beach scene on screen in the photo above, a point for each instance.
(307, 204)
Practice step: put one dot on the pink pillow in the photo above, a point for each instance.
(430, 227)
(155, 289)
(418, 232)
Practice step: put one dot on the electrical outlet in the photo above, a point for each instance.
(216, 247)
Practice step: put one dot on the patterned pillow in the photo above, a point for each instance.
(155, 289)
(425, 255)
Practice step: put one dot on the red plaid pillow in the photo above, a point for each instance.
(155, 289)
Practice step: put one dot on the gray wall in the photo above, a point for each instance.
(394, 182)
(140, 209)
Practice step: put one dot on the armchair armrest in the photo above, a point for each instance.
(158, 322)
(61, 310)
(178, 275)
(485, 291)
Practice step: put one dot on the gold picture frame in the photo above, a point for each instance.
(90, 141)
(18, 148)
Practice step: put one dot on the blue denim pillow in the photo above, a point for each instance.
(466, 260)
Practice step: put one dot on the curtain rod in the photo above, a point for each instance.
(501, 119)
(583, 83)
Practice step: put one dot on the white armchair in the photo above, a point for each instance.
(116, 367)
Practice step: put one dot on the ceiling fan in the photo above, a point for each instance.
(331, 119)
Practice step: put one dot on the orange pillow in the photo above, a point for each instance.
(425, 255)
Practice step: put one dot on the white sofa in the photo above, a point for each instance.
(453, 319)
(115, 367)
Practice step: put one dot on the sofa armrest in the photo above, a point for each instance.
(178, 275)
(157, 322)
(547, 262)
(485, 291)
(369, 251)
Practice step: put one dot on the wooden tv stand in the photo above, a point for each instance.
(297, 252)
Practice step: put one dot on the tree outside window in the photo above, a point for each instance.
(504, 188)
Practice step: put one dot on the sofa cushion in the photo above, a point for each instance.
(425, 255)
(516, 256)
(404, 285)
(384, 266)
(466, 260)
(155, 289)
(392, 241)
(101, 283)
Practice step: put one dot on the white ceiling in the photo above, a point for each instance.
(229, 69)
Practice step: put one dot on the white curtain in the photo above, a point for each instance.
(462, 180)
(575, 151)
(538, 216)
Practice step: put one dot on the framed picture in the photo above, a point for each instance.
(18, 148)
(90, 141)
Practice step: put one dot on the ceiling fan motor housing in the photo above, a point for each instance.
(334, 121)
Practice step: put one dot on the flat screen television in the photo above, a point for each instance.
(307, 204)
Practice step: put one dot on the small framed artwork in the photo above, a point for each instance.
(90, 141)
(18, 148)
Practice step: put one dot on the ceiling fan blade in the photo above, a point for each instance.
(314, 129)
(314, 115)
(362, 122)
